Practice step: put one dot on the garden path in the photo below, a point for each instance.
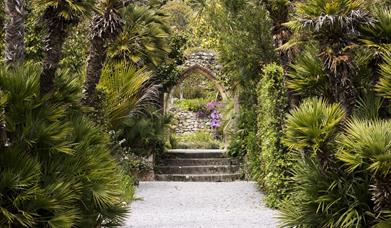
(200, 205)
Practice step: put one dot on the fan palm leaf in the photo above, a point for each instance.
(377, 35)
(383, 87)
(312, 126)
(307, 77)
(334, 24)
(145, 37)
(128, 91)
(366, 146)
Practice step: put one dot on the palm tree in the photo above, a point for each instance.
(335, 27)
(58, 17)
(14, 31)
(145, 38)
(279, 12)
(312, 127)
(129, 92)
(365, 147)
(105, 26)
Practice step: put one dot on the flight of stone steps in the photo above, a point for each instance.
(197, 165)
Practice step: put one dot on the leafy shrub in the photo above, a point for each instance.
(195, 105)
(270, 164)
(242, 141)
(326, 198)
(341, 178)
(307, 77)
(197, 140)
(56, 169)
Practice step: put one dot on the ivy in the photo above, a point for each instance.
(270, 165)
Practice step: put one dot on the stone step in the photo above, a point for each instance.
(199, 153)
(199, 177)
(222, 169)
(198, 161)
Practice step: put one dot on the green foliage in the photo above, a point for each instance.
(179, 14)
(56, 170)
(324, 194)
(144, 40)
(197, 104)
(326, 198)
(307, 77)
(67, 10)
(383, 87)
(144, 135)
(244, 51)
(312, 126)
(377, 35)
(244, 141)
(366, 146)
(272, 159)
(368, 107)
(197, 140)
(127, 92)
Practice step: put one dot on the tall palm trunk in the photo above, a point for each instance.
(14, 32)
(338, 66)
(104, 28)
(54, 40)
(281, 35)
(95, 61)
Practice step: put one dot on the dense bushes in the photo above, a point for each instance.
(272, 167)
(197, 140)
(195, 105)
(341, 175)
(56, 168)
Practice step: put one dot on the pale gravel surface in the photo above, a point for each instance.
(200, 205)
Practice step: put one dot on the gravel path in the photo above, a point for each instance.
(200, 205)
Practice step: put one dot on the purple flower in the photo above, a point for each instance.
(212, 105)
(215, 124)
(215, 115)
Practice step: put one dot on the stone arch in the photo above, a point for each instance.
(204, 63)
(207, 73)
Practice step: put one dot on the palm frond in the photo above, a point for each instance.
(383, 87)
(312, 125)
(144, 39)
(307, 76)
(127, 91)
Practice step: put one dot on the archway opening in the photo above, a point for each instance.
(196, 104)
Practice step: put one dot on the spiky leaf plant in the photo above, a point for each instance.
(307, 77)
(56, 170)
(323, 194)
(365, 147)
(327, 198)
(311, 128)
(334, 24)
(377, 35)
(383, 87)
(368, 107)
(145, 37)
(105, 26)
(129, 91)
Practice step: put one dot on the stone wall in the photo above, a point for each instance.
(188, 122)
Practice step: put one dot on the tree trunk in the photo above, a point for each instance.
(281, 35)
(342, 87)
(96, 58)
(54, 41)
(14, 32)
(104, 28)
